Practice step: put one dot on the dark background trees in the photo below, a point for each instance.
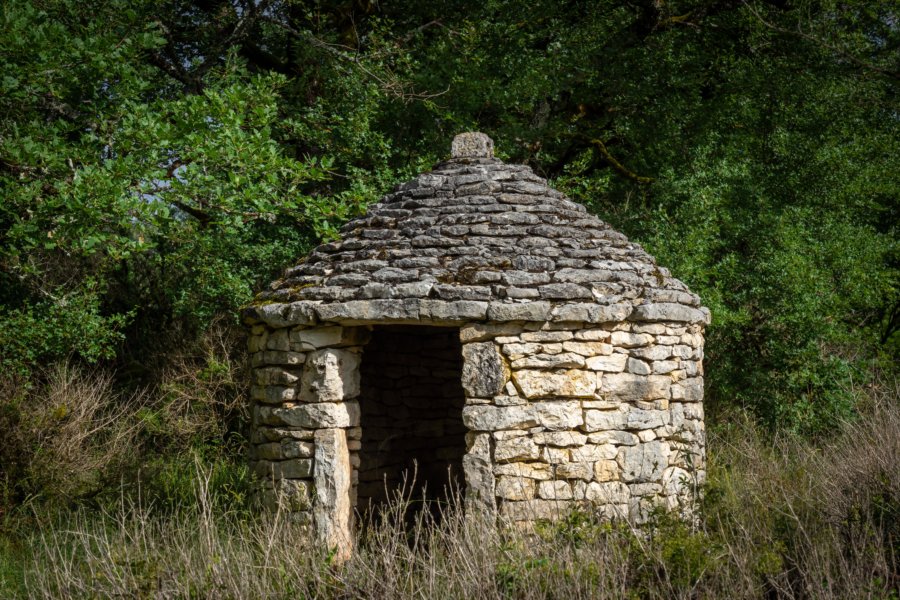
(161, 161)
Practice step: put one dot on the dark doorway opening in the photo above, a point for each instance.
(411, 399)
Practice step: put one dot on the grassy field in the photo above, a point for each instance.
(782, 517)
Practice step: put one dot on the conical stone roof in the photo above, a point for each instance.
(476, 239)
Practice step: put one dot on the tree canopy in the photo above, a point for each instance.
(161, 161)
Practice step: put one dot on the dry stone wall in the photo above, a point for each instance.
(554, 416)
(608, 415)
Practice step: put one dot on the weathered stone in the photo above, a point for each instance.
(272, 357)
(628, 387)
(458, 310)
(638, 367)
(593, 452)
(323, 337)
(472, 145)
(332, 510)
(576, 470)
(492, 418)
(689, 390)
(298, 468)
(588, 348)
(533, 510)
(625, 339)
(547, 336)
(272, 394)
(515, 488)
(555, 490)
(604, 420)
(667, 311)
(313, 416)
(565, 360)
(621, 438)
(484, 372)
(644, 462)
(477, 467)
(606, 470)
(516, 449)
(559, 415)
(614, 363)
(591, 313)
(274, 376)
(330, 375)
(534, 470)
(662, 367)
(529, 311)
(547, 384)
(477, 332)
(560, 439)
(610, 492)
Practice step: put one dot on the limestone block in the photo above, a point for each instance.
(555, 456)
(591, 312)
(668, 311)
(593, 452)
(555, 490)
(604, 420)
(516, 449)
(330, 375)
(547, 336)
(637, 418)
(662, 367)
(517, 349)
(626, 339)
(272, 357)
(559, 415)
(644, 462)
(452, 311)
(278, 340)
(272, 394)
(492, 418)
(291, 495)
(472, 144)
(677, 482)
(592, 335)
(297, 468)
(560, 439)
(286, 448)
(652, 352)
(326, 337)
(628, 387)
(478, 471)
(549, 361)
(332, 511)
(477, 332)
(608, 492)
(274, 376)
(668, 340)
(614, 363)
(532, 510)
(484, 372)
(544, 384)
(577, 470)
(588, 348)
(638, 367)
(533, 470)
(274, 434)
(312, 416)
(620, 438)
(530, 311)
(688, 390)
(606, 470)
(515, 488)
(646, 435)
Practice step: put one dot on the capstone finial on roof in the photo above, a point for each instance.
(472, 144)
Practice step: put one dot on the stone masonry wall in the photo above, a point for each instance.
(557, 415)
(611, 415)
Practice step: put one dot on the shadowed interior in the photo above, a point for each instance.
(411, 402)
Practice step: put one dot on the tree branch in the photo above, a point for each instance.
(619, 167)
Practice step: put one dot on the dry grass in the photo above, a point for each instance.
(782, 518)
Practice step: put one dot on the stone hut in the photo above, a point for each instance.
(477, 329)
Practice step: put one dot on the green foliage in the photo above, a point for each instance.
(161, 162)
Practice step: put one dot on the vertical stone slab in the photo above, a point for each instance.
(333, 479)
(478, 467)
